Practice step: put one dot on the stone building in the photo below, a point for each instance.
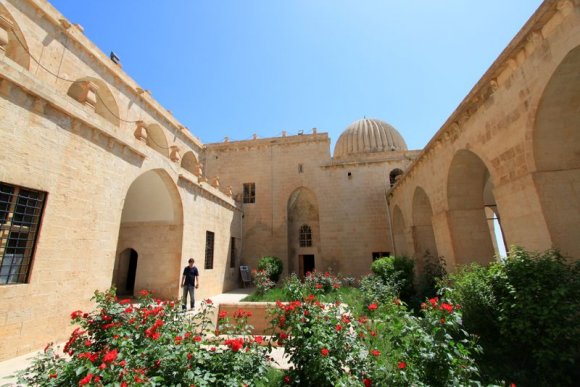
(101, 186)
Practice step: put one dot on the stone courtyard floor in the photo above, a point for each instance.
(9, 367)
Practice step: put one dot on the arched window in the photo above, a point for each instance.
(394, 176)
(305, 236)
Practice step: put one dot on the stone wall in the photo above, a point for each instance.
(86, 156)
(499, 124)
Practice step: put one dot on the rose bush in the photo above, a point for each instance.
(388, 346)
(148, 342)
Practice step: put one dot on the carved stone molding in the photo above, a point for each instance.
(5, 27)
(140, 132)
(174, 153)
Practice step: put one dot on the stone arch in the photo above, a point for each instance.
(468, 223)
(399, 229)
(423, 235)
(189, 163)
(302, 209)
(556, 145)
(12, 39)
(156, 139)
(152, 224)
(394, 175)
(95, 93)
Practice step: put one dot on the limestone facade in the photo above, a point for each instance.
(120, 176)
(129, 194)
(510, 150)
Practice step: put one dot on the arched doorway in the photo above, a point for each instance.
(399, 233)
(303, 232)
(423, 235)
(125, 272)
(151, 223)
(470, 232)
(556, 144)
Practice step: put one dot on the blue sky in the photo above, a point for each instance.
(234, 68)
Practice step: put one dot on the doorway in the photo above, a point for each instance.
(306, 264)
(126, 272)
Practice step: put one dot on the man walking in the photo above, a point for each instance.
(189, 280)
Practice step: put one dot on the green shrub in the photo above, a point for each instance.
(433, 271)
(273, 266)
(375, 290)
(397, 272)
(526, 311)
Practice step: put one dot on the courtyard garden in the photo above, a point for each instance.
(512, 323)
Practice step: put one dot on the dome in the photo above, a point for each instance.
(367, 136)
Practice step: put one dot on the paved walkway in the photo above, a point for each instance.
(9, 367)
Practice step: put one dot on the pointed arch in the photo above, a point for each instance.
(156, 139)
(152, 224)
(189, 162)
(16, 47)
(96, 94)
(470, 232)
(423, 235)
(303, 216)
(556, 144)
(394, 175)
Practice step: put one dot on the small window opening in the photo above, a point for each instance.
(249, 192)
(305, 236)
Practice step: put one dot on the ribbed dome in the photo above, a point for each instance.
(366, 136)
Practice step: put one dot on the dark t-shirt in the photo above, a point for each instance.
(190, 274)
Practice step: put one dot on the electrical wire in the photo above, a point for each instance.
(74, 81)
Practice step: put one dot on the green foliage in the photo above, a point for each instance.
(319, 283)
(388, 346)
(526, 311)
(434, 270)
(396, 272)
(376, 290)
(262, 281)
(149, 342)
(293, 288)
(273, 266)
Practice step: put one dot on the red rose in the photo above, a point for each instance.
(402, 365)
(76, 314)
(375, 352)
(110, 356)
(367, 382)
(324, 352)
(86, 380)
(373, 307)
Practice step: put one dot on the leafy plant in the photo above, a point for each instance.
(397, 272)
(526, 311)
(149, 342)
(262, 281)
(273, 266)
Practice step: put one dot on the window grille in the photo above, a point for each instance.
(305, 236)
(209, 240)
(20, 215)
(232, 253)
(249, 192)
